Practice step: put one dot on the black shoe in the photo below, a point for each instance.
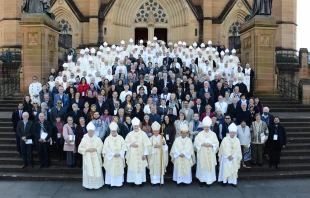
(132, 185)
(24, 166)
(183, 185)
(141, 185)
(224, 184)
(41, 166)
(234, 185)
(87, 189)
(208, 185)
(200, 184)
(110, 187)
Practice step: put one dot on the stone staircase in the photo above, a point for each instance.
(295, 160)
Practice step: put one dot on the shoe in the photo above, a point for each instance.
(183, 185)
(200, 184)
(224, 184)
(234, 185)
(132, 185)
(24, 166)
(141, 185)
(41, 166)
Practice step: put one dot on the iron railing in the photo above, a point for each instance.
(9, 86)
(286, 57)
(10, 55)
(289, 88)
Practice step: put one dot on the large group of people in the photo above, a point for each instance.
(154, 107)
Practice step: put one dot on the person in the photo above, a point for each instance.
(137, 112)
(158, 156)
(91, 148)
(259, 135)
(183, 157)
(137, 144)
(42, 133)
(75, 113)
(206, 113)
(17, 116)
(64, 98)
(221, 104)
(229, 158)
(126, 127)
(244, 114)
(154, 116)
(277, 142)
(232, 109)
(195, 126)
(145, 125)
(114, 149)
(34, 89)
(100, 126)
(57, 110)
(207, 144)
(69, 137)
(248, 78)
(24, 131)
(80, 131)
(224, 127)
(188, 112)
(244, 135)
(83, 87)
(179, 123)
(58, 130)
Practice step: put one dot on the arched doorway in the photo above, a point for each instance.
(141, 33)
(161, 34)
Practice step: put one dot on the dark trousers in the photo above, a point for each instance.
(274, 154)
(17, 143)
(26, 150)
(70, 158)
(43, 149)
(257, 153)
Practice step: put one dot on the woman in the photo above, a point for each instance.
(90, 114)
(131, 86)
(93, 90)
(219, 116)
(259, 134)
(106, 117)
(180, 94)
(259, 105)
(252, 108)
(127, 105)
(145, 125)
(34, 111)
(179, 123)
(137, 112)
(206, 113)
(83, 87)
(86, 108)
(77, 100)
(227, 99)
(105, 87)
(244, 135)
(43, 110)
(119, 87)
(148, 106)
(140, 101)
(169, 131)
(111, 90)
(90, 98)
(58, 137)
(69, 136)
(27, 104)
(126, 127)
(174, 104)
(80, 132)
(71, 93)
(103, 93)
(134, 98)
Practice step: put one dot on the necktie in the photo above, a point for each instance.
(20, 114)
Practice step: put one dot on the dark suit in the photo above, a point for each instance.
(54, 112)
(218, 92)
(111, 103)
(210, 101)
(200, 110)
(215, 128)
(161, 85)
(168, 60)
(232, 111)
(162, 111)
(275, 146)
(43, 147)
(101, 108)
(244, 115)
(75, 115)
(242, 88)
(65, 100)
(202, 92)
(16, 117)
(26, 149)
(48, 117)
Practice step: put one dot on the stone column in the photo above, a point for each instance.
(40, 47)
(258, 49)
(150, 29)
(303, 61)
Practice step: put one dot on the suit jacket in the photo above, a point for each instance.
(232, 111)
(281, 136)
(24, 131)
(161, 111)
(215, 128)
(65, 100)
(201, 109)
(37, 130)
(210, 102)
(161, 85)
(168, 60)
(75, 115)
(40, 111)
(111, 103)
(16, 118)
(218, 93)
(244, 115)
(101, 109)
(190, 114)
(202, 92)
(54, 112)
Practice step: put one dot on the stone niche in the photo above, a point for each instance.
(257, 37)
(40, 47)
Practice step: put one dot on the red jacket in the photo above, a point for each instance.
(83, 88)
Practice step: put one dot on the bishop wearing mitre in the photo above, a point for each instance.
(207, 144)
(183, 157)
(114, 148)
(138, 145)
(90, 148)
(158, 156)
(229, 157)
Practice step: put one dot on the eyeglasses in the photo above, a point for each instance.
(34, 79)
(58, 102)
(227, 118)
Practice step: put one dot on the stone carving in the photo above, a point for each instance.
(33, 39)
(247, 42)
(51, 42)
(261, 7)
(264, 41)
(38, 6)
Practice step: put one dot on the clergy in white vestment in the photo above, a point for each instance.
(229, 157)
(34, 88)
(207, 144)
(138, 145)
(158, 153)
(114, 148)
(91, 148)
(183, 157)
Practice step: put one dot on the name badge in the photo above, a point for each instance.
(275, 137)
(167, 136)
(83, 94)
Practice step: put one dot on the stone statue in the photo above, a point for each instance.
(261, 7)
(38, 6)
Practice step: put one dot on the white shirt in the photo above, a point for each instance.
(223, 106)
(35, 88)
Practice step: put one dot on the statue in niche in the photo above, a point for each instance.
(261, 7)
(38, 6)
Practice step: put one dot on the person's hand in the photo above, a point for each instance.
(41, 140)
(265, 140)
(134, 145)
(230, 158)
(283, 146)
(143, 157)
(156, 146)
(24, 138)
(68, 141)
(182, 155)
(117, 155)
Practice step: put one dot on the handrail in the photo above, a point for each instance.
(9, 86)
(288, 88)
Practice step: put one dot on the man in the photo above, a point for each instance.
(224, 127)
(206, 89)
(91, 148)
(101, 105)
(137, 144)
(242, 87)
(158, 152)
(229, 158)
(269, 120)
(64, 98)
(194, 127)
(232, 109)
(57, 110)
(188, 112)
(206, 144)
(165, 82)
(244, 114)
(154, 116)
(162, 110)
(221, 105)
(207, 100)
(17, 116)
(34, 89)
(198, 107)
(100, 127)
(215, 127)
(114, 148)
(155, 96)
(219, 91)
(42, 133)
(48, 101)
(183, 157)
(24, 131)
(277, 142)
(111, 101)
(75, 114)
